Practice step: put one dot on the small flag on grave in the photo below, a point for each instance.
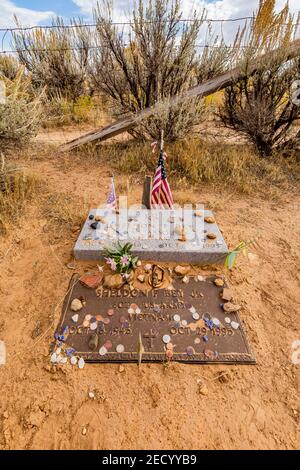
(112, 198)
(161, 196)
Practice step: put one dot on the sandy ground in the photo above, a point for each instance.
(151, 407)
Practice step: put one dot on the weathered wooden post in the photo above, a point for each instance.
(147, 192)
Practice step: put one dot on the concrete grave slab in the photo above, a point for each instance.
(154, 234)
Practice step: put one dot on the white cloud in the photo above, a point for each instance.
(25, 15)
(216, 9)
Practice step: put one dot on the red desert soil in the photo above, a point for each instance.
(154, 406)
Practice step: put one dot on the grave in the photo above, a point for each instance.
(184, 322)
(182, 235)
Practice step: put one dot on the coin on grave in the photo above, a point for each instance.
(120, 348)
(166, 339)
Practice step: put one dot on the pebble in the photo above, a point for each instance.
(166, 339)
(76, 305)
(139, 263)
(190, 351)
(227, 320)
(182, 270)
(176, 318)
(93, 326)
(84, 431)
(130, 310)
(141, 278)
(211, 236)
(108, 344)
(205, 338)
(209, 220)
(219, 282)
(91, 395)
(103, 351)
(138, 310)
(200, 278)
(216, 321)
(91, 216)
(227, 294)
(110, 312)
(63, 360)
(197, 341)
(208, 353)
(231, 308)
(185, 280)
(198, 214)
(234, 325)
(73, 360)
(120, 348)
(203, 390)
(86, 323)
(94, 225)
(170, 346)
(184, 323)
(121, 368)
(71, 266)
(196, 316)
(192, 310)
(92, 281)
(147, 267)
(75, 318)
(81, 363)
(169, 353)
(88, 317)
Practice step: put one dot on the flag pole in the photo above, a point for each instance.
(162, 140)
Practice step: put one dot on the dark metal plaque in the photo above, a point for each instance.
(189, 316)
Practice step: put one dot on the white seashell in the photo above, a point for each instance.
(53, 358)
(102, 351)
(73, 360)
(81, 363)
(120, 348)
(59, 358)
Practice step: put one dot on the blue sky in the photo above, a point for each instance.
(40, 12)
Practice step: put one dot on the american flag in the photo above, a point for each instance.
(161, 195)
(112, 199)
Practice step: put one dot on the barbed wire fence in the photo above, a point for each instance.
(59, 133)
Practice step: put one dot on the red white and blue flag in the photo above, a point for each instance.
(161, 196)
(112, 198)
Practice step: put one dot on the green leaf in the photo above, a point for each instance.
(231, 259)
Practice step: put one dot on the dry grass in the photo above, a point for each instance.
(64, 213)
(16, 187)
(192, 162)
